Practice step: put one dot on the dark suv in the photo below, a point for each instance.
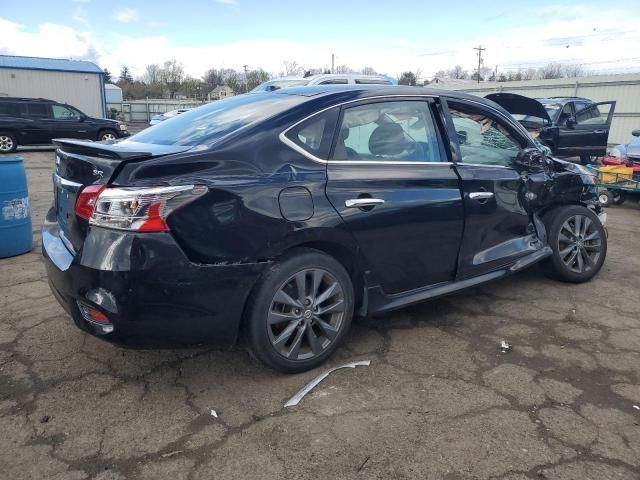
(569, 126)
(281, 215)
(37, 121)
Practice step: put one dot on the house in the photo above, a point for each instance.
(220, 92)
(76, 82)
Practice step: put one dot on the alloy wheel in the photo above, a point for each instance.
(579, 243)
(306, 314)
(6, 143)
(108, 137)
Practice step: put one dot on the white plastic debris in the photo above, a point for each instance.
(636, 407)
(214, 413)
(505, 346)
(293, 401)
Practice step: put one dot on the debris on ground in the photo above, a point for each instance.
(636, 407)
(293, 401)
(45, 419)
(364, 463)
(505, 346)
(214, 413)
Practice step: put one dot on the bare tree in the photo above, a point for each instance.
(571, 71)
(292, 68)
(458, 72)
(256, 77)
(529, 74)
(193, 87)
(551, 70)
(152, 74)
(172, 76)
(212, 78)
(369, 71)
(408, 78)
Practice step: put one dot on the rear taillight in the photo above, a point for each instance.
(95, 317)
(86, 201)
(140, 209)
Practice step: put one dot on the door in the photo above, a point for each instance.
(68, 123)
(390, 180)
(591, 127)
(498, 224)
(36, 131)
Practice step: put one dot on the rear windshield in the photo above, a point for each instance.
(206, 124)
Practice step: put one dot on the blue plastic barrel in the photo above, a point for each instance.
(16, 235)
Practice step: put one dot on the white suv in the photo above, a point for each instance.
(324, 79)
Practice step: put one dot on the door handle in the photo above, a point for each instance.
(599, 131)
(480, 195)
(363, 202)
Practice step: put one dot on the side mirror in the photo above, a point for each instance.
(571, 121)
(636, 132)
(80, 118)
(462, 137)
(530, 158)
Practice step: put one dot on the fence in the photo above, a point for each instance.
(624, 89)
(143, 110)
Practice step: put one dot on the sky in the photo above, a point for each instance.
(392, 37)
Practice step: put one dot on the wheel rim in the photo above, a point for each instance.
(579, 243)
(306, 314)
(108, 136)
(603, 199)
(6, 143)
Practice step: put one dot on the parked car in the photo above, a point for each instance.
(629, 153)
(282, 215)
(324, 79)
(37, 121)
(569, 126)
(161, 117)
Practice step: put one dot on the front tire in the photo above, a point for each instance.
(107, 136)
(618, 197)
(579, 244)
(8, 142)
(300, 311)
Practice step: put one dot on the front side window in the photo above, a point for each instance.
(594, 114)
(63, 113)
(483, 140)
(389, 131)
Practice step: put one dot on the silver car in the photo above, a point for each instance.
(167, 115)
(324, 79)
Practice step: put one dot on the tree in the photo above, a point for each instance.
(343, 69)
(152, 74)
(212, 78)
(256, 77)
(369, 71)
(172, 75)
(551, 70)
(234, 81)
(572, 71)
(107, 76)
(458, 72)
(193, 87)
(529, 74)
(292, 68)
(407, 78)
(125, 75)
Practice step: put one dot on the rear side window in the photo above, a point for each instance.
(397, 131)
(335, 81)
(63, 113)
(372, 81)
(315, 134)
(38, 110)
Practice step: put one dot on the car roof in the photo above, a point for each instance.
(20, 99)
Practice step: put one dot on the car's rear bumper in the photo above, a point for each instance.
(151, 293)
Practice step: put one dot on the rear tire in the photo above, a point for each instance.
(300, 311)
(578, 241)
(605, 197)
(618, 197)
(8, 142)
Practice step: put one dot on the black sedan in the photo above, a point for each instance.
(281, 215)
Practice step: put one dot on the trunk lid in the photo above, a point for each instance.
(520, 106)
(81, 163)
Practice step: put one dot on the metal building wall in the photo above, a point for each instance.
(625, 89)
(82, 90)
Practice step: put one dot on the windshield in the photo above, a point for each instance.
(553, 109)
(213, 121)
(276, 84)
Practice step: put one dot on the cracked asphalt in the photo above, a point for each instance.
(439, 401)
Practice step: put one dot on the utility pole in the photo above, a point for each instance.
(246, 86)
(333, 59)
(480, 49)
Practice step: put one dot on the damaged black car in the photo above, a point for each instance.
(568, 126)
(279, 216)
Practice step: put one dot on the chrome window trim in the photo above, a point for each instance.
(63, 181)
(465, 164)
(284, 139)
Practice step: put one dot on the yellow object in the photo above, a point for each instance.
(615, 173)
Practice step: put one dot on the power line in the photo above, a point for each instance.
(480, 50)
